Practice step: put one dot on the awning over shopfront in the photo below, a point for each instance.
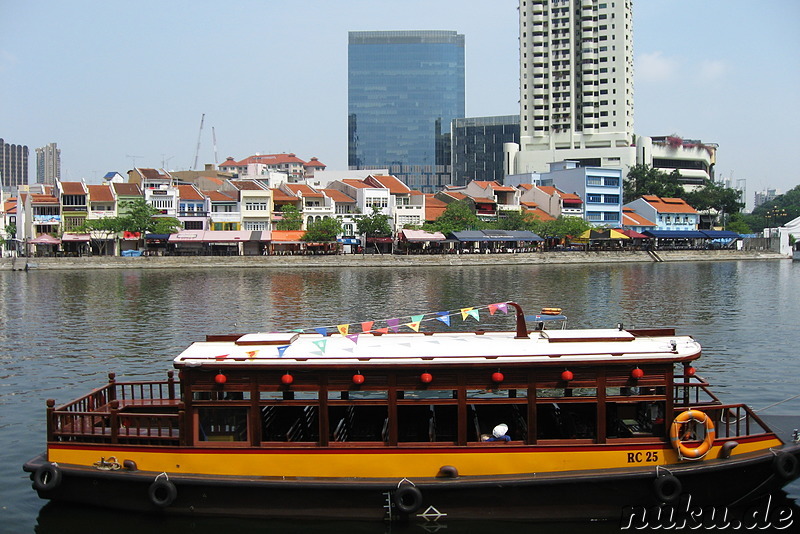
(226, 236)
(76, 238)
(675, 234)
(420, 236)
(721, 234)
(495, 236)
(157, 237)
(187, 236)
(45, 239)
(349, 241)
(282, 237)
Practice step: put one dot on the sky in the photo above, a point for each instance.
(118, 83)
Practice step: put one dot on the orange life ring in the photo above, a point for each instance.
(683, 450)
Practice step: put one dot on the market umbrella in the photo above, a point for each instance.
(45, 239)
(603, 234)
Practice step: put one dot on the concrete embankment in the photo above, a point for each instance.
(371, 260)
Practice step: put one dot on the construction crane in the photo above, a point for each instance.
(214, 139)
(197, 152)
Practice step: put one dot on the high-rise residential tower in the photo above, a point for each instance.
(576, 84)
(48, 164)
(404, 89)
(13, 165)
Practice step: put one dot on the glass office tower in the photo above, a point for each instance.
(477, 147)
(404, 89)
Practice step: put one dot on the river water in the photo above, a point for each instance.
(61, 332)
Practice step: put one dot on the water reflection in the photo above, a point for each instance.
(62, 332)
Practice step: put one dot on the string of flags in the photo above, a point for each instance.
(394, 324)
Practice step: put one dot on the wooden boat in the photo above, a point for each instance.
(390, 425)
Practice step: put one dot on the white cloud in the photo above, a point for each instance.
(712, 70)
(654, 67)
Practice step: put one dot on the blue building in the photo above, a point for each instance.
(404, 89)
(477, 147)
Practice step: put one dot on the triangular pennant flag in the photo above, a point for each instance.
(394, 324)
(475, 313)
(321, 344)
(251, 353)
(444, 317)
(465, 312)
(413, 326)
(322, 331)
(343, 329)
(381, 331)
(366, 326)
(298, 330)
(502, 306)
(282, 349)
(221, 357)
(492, 309)
(352, 337)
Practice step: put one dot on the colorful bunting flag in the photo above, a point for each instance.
(321, 344)
(251, 354)
(413, 326)
(281, 350)
(353, 338)
(381, 331)
(492, 309)
(322, 331)
(221, 357)
(502, 306)
(366, 326)
(470, 312)
(444, 317)
(343, 329)
(394, 324)
(298, 330)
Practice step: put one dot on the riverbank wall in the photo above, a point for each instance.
(377, 260)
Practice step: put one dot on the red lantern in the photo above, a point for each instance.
(567, 375)
(497, 377)
(426, 378)
(690, 371)
(220, 378)
(358, 379)
(637, 374)
(287, 379)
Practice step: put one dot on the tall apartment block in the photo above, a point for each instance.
(576, 85)
(404, 89)
(13, 165)
(48, 164)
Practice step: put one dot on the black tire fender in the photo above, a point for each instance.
(407, 499)
(667, 488)
(47, 477)
(785, 465)
(162, 492)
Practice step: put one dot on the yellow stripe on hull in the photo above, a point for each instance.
(389, 463)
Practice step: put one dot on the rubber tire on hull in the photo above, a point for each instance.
(162, 493)
(47, 477)
(667, 488)
(408, 499)
(785, 465)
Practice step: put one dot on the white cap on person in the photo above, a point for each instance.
(500, 430)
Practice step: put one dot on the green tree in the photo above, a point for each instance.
(139, 216)
(375, 225)
(11, 230)
(562, 227)
(324, 230)
(457, 217)
(514, 220)
(738, 224)
(715, 197)
(291, 219)
(645, 180)
(101, 231)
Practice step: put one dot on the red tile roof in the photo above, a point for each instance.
(72, 188)
(538, 213)
(338, 196)
(189, 192)
(356, 183)
(127, 189)
(100, 193)
(433, 207)
(221, 196)
(314, 162)
(669, 205)
(278, 195)
(266, 159)
(631, 218)
(395, 186)
(246, 185)
(304, 190)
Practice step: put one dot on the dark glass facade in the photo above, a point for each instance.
(477, 147)
(404, 89)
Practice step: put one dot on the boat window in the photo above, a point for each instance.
(634, 419)
(554, 393)
(358, 422)
(222, 424)
(290, 423)
(634, 391)
(572, 420)
(483, 418)
(496, 393)
(220, 395)
(427, 423)
(358, 395)
(288, 395)
(425, 394)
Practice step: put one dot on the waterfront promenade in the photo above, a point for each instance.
(376, 260)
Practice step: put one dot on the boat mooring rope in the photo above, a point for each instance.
(777, 403)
